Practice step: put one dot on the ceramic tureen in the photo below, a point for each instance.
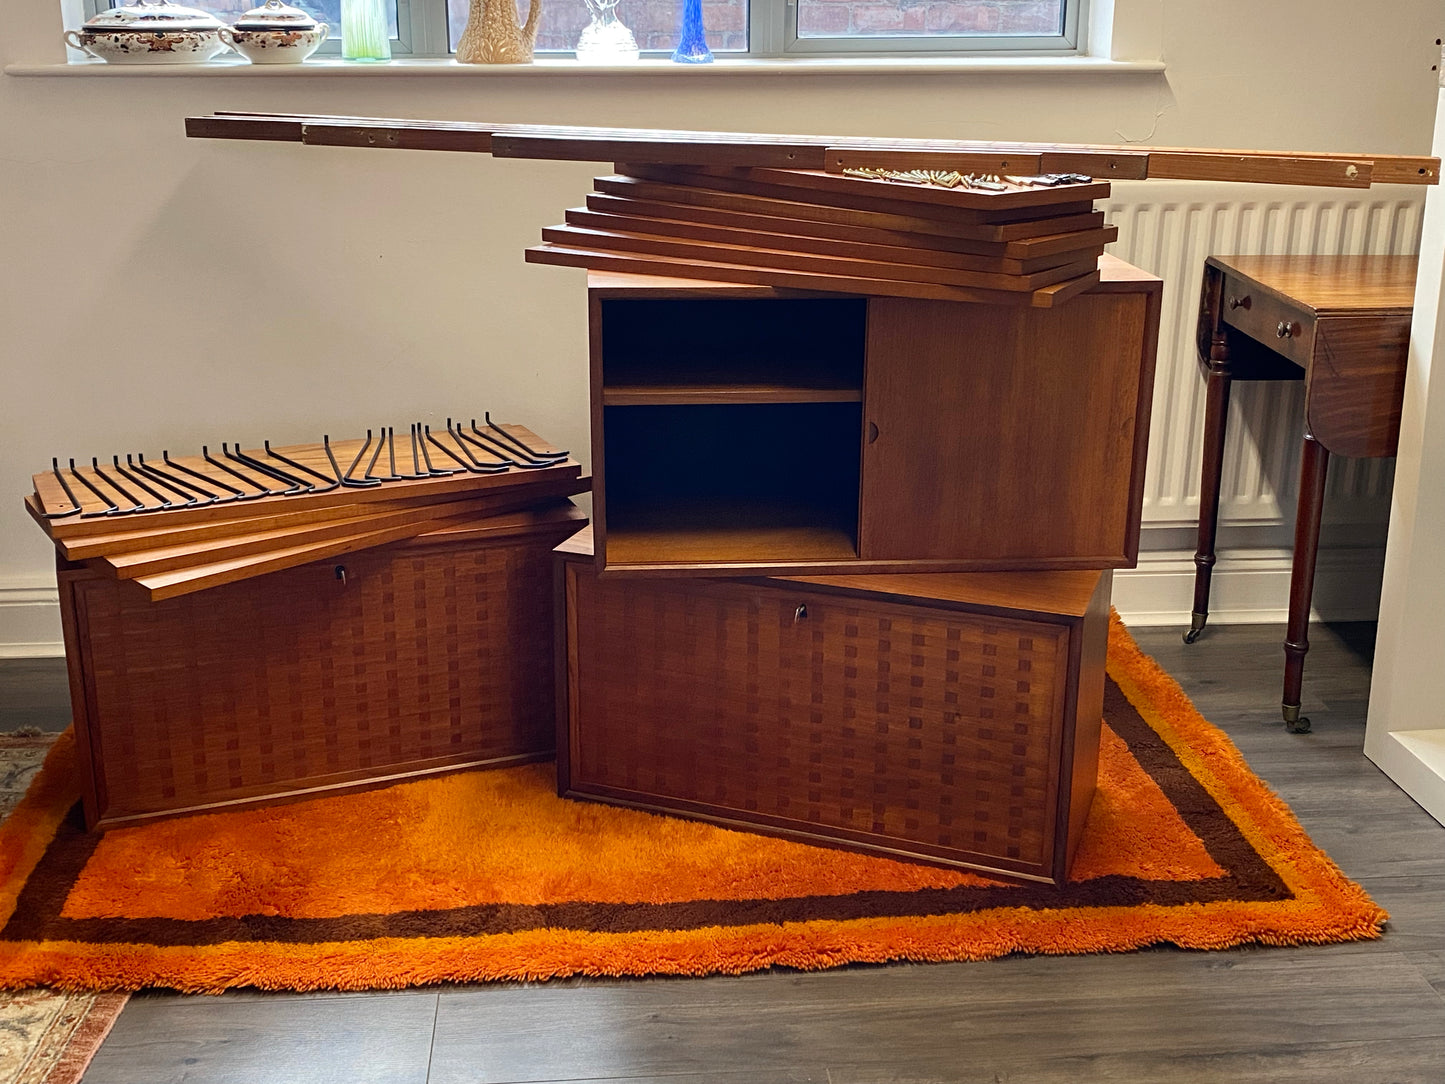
(150, 32)
(275, 33)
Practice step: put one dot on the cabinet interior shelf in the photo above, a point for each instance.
(689, 394)
(726, 531)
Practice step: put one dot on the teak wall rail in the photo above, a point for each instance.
(834, 154)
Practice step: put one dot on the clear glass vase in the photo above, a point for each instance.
(605, 40)
(365, 34)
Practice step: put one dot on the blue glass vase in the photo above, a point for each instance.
(692, 40)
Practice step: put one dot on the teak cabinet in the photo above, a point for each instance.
(389, 663)
(741, 428)
(952, 718)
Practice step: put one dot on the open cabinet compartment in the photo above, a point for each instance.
(746, 428)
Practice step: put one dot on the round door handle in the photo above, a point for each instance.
(1284, 330)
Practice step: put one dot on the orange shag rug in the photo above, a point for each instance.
(489, 875)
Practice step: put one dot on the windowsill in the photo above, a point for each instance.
(335, 68)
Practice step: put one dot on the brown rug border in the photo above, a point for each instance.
(1248, 878)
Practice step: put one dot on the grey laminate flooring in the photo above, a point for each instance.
(1364, 1013)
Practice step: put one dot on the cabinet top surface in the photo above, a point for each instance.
(1330, 284)
(1058, 593)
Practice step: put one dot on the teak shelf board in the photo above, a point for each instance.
(751, 250)
(662, 395)
(710, 224)
(191, 554)
(887, 197)
(1028, 238)
(643, 264)
(125, 542)
(1160, 165)
(929, 201)
(53, 498)
(685, 543)
(199, 577)
(811, 152)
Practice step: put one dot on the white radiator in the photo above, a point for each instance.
(1169, 228)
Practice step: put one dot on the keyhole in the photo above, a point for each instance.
(800, 614)
(341, 574)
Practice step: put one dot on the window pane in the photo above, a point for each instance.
(929, 18)
(325, 11)
(654, 23)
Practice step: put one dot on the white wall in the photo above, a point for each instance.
(159, 291)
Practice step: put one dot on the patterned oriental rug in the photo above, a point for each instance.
(489, 875)
(46, 1036)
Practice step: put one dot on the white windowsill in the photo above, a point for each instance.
(335, 68)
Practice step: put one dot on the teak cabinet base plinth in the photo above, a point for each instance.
(947, 718)
(424, 656)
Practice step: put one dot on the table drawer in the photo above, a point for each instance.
(1285, 328)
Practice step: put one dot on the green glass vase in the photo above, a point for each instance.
(364, 31)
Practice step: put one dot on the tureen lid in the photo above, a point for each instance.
(276, 15)
(156, 15)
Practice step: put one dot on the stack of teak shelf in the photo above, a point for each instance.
(946, 236)
(256, 625)
(849, 581)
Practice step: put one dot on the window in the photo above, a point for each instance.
(741, 28)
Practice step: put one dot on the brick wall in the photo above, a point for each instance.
(654, 22)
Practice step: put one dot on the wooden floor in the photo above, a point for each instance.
(1356, 1014)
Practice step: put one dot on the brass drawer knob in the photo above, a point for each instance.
(1285, 329)
(1239, 302)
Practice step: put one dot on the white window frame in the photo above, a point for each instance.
(772, 34)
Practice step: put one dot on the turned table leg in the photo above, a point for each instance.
(1314, 468)
(1216, 414)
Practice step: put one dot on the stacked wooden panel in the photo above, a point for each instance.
(251, 625)
(184, 524)
(930, 234)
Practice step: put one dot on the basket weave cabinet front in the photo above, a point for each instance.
(423, 656)
(917, 715)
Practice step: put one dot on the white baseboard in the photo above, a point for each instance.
(1250, 586)
(29, 621)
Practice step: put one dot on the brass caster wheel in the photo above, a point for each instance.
(1294, 722)
(1196, 626)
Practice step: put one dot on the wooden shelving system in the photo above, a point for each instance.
(817, 383)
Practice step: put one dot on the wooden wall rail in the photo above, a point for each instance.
(831, 153)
